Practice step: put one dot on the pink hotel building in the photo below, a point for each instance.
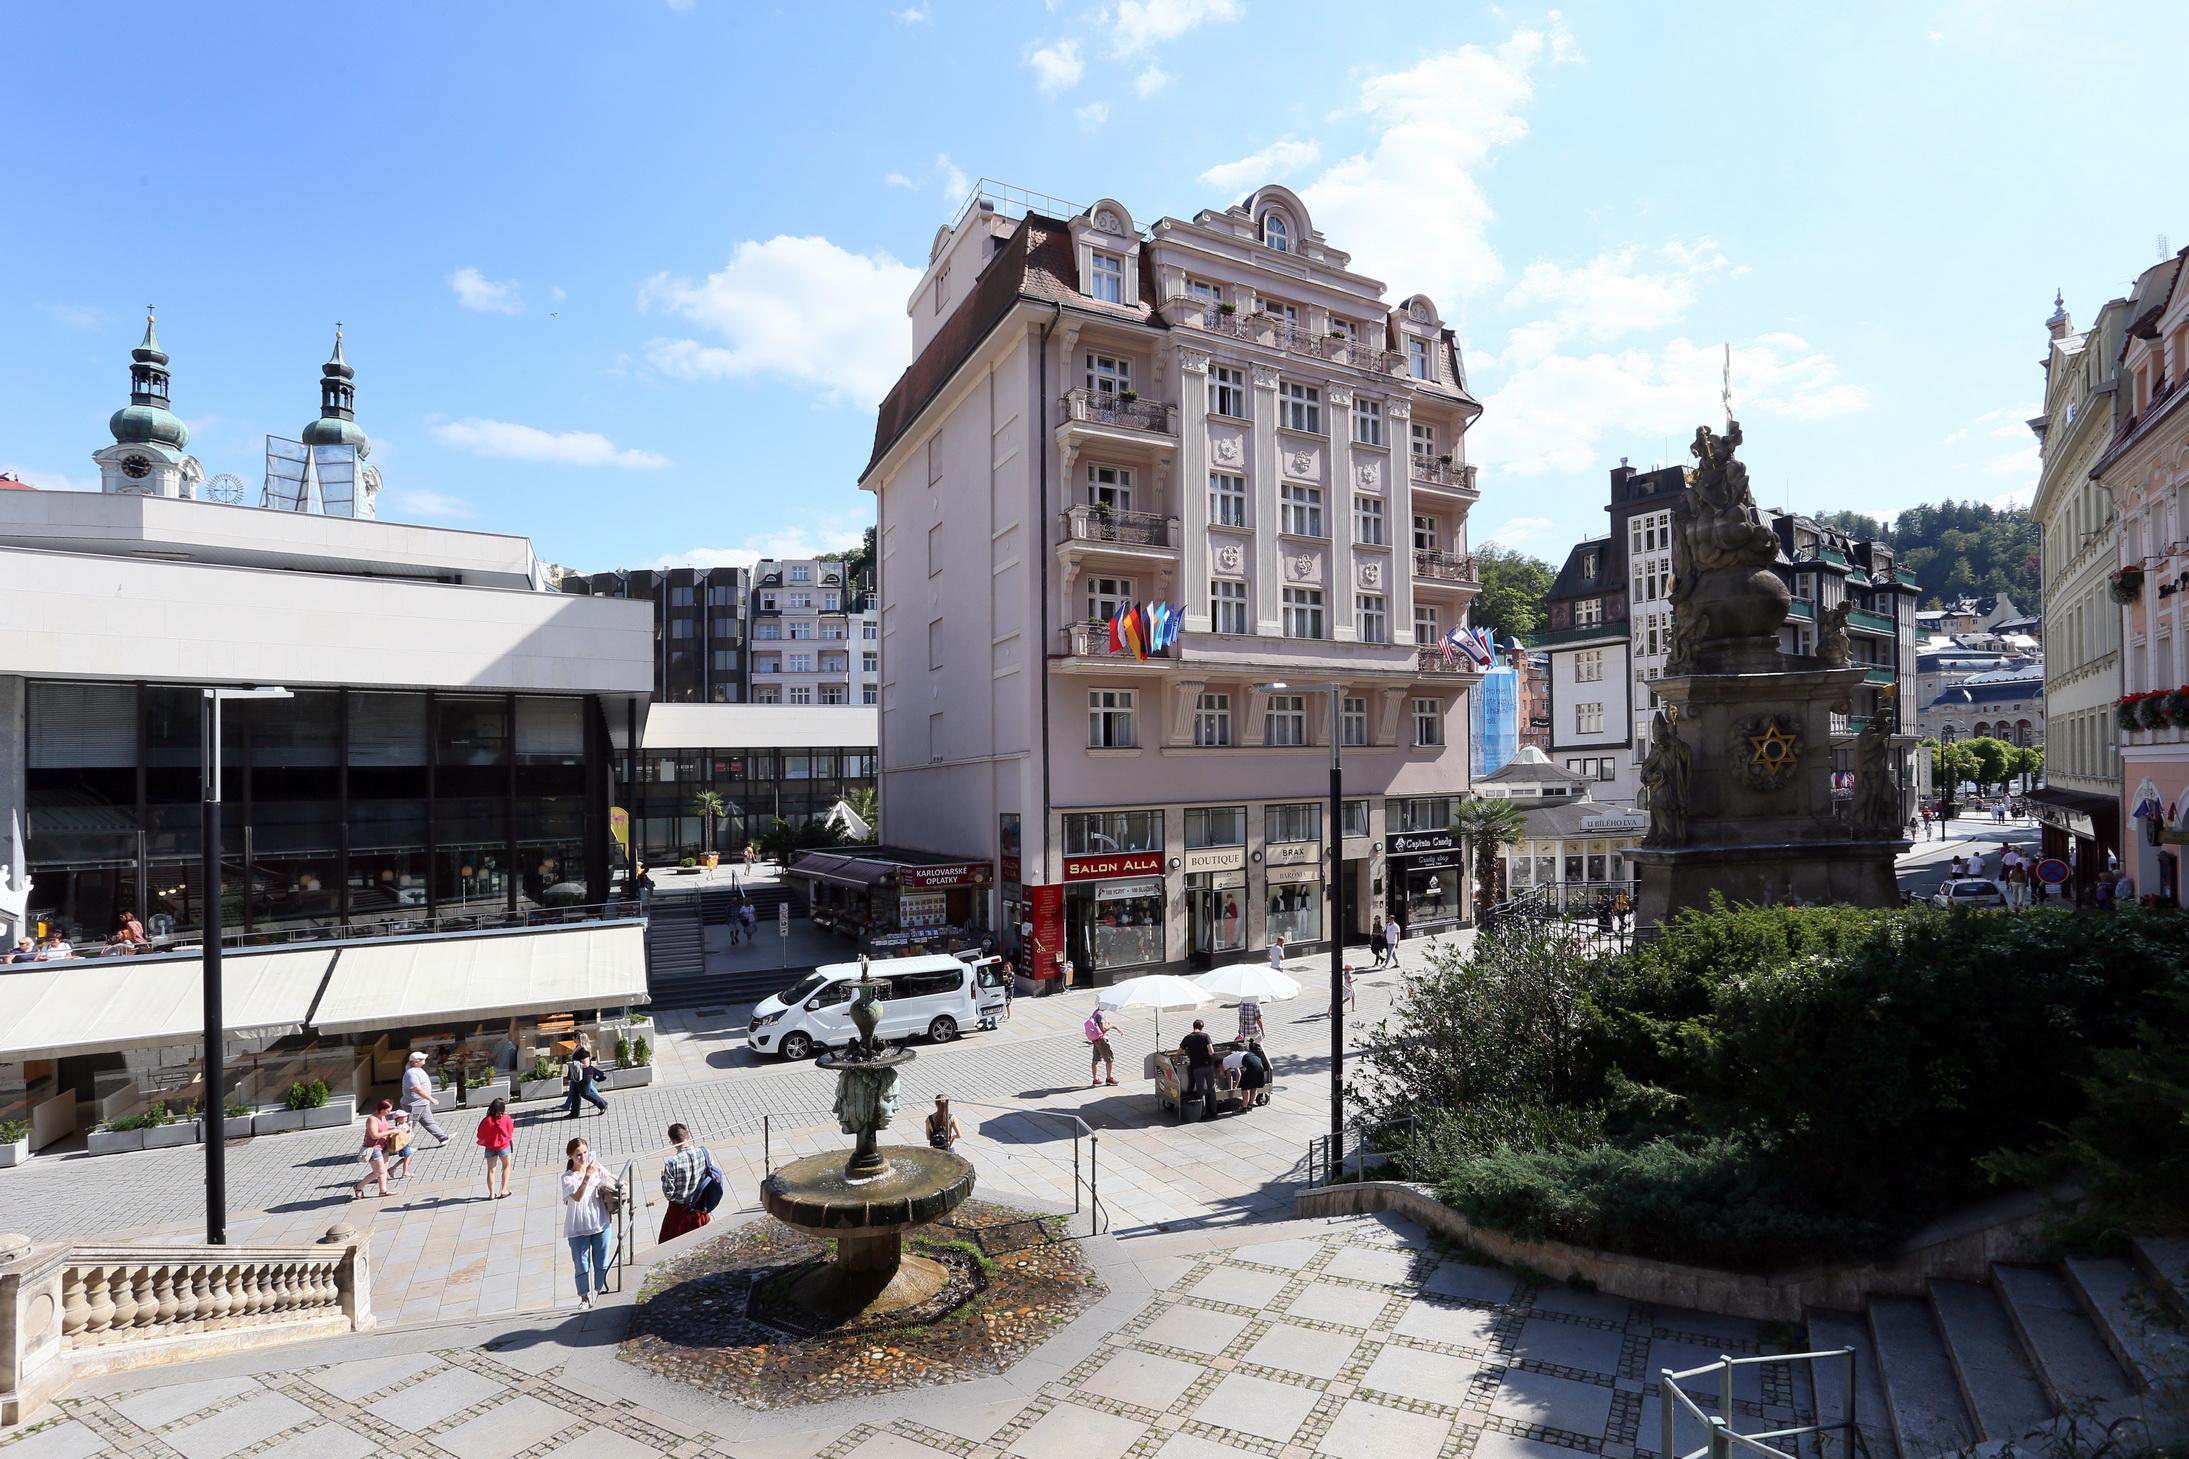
(1217, 414)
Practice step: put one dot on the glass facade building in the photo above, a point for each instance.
(758, 786)
(342, 808)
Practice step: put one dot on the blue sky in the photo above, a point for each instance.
(629, 277)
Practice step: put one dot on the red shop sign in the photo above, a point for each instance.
(1116, 863)
(930, 878)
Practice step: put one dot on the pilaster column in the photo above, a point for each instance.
(1268, 596)
(1193, 496)
(1398, 494)
(1338, 426)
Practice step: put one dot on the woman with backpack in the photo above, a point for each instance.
(690, 1183)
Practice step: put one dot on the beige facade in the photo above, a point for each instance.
(815, 637)
(1219, 416)
(2146, 467)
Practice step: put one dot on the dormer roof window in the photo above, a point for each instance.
(1276, 233)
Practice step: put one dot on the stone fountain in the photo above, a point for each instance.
(869, 1202)
(1738, 772)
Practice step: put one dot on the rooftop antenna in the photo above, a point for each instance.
(2165, 248)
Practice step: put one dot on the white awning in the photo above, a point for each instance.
(100, 1005)
(493, 975)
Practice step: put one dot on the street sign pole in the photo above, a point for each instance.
(782, 929)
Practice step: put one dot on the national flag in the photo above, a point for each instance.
(1117, 641)
(1128, 631)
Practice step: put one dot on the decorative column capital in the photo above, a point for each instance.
(1265, 377)
(1193, 362)
(1340, 396)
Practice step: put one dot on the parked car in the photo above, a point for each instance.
(1969, 891)
(931, 996)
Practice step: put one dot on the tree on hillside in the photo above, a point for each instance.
(1957, 548)
(1510, 604)
(858, 562)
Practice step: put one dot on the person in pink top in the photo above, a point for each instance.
(497, 1137)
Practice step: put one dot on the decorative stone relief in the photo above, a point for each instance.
(1109, 222)
(1418, 312)
(1399, 409)
(1303, 567)
(1367, 476)
(1265, 377)
(1193, 362)
(1340, 397)
(1371, 574)
(1303, 463)
(1228, 450)
(1229, 558)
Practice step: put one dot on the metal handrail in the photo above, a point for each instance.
(628, 1206)
(1118, 525)
(1334, 1165)
(447, 923)
(1439, 565)
(1098, 407)
(1723, 1437)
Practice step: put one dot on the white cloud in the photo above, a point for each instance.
(507, 441)
(840, 533)
(1093, 116)
(2013, 501)
(2026, 462)
(800, 308)
(897, 179)
(1555, 412)
(1612, 294)
(1152, 79)
(952, 181)
(1280, 159)
(419, 502)
(913, 15)
(557, 294)
(1436, 123)
(1057, 67)
(47, 480)
(475, 290)
(1519, 529)
(78, 316)
(1139, 24)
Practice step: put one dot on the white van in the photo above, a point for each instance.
(932, 996)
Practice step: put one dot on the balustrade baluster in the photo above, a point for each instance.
(330, 1284)
(75, 1308)
(164, 1303)
(141, 1287)
(122, 1297)
(201, 1293)
(239, 1298)
(217, 1300)
(188, 1291)
(100, 1298)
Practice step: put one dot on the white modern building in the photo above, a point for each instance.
(815, 637)
(438, 780)
(1216, 415)
(2080, 801)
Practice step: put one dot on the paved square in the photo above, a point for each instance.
(1257, 1406)
(1567, 1345)
(507, 1428)
(1462, 1327)
(1194, 1329)
(1308, 1350)
(1372, 1431)
(1470, 1283)
(1330, 1302)
(1540, 1400)
(249, 1419)
(1406, 1372)
(1241, 1286)
(1146, 1379)
(1365, 1264)
(1069, 1431)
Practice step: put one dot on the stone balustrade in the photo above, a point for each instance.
(72, 1311)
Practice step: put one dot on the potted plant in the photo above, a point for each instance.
(688, 862)
(708, 806)
(163, 1130)
(2151, 710)
(1128, 395)
(124, 1133)
(2126, 584)
(14, 1142)
(1227, 310)
(483, 1086)
(543, 1080)
(634, 1063)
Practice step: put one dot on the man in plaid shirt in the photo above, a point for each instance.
(681, 1176)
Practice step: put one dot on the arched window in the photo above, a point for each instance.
(1275, 232)
(2021, 732)
(1982, 729)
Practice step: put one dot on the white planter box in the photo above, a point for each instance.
(544, 1089)
(632, 1078)
(329, 1116)
(478, 1099)
(275, 1121)
(15, 1154)
(163, 1137)
(110, 1142)
(239, 1128)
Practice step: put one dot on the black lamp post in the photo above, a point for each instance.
(1333, 899)
(214, 1102)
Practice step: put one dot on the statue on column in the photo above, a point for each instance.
(1833, 650)
(1724, 593)
(1666, 773)
(1877, 789)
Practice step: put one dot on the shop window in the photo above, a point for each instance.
(1220, 825)
(1296, 911)
(1301, 821)
(1089, 833)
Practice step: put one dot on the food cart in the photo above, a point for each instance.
(1170, 1078)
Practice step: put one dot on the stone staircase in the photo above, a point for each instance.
(2019, 1355)
(676, 967)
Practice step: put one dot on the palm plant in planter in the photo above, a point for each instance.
(708, 806)
(1490, 825)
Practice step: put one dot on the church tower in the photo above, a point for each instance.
(337, 425)
(147, 457)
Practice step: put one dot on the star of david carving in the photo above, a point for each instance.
(1772, 751)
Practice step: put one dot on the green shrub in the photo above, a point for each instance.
(302, 1095)
(479, 1078)
(1712, 1202)
(623, 1052)
(238, 1110)
(642, 1053)
(13, 1130)
(543, 1068)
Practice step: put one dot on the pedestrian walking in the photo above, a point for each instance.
(374, 1152)
(1010, 987)
(1200, 1052)
(1026, 940)
(2101, 895)
(1100, 1055)
(2124, 890)
(1277, 952)
(1346, 1000)
(418, 1098)
(1250, 1021)
(1375, 940)
(401, 1140)
(942, 1125)
(498, 1138)
(1622, 911)
(589, 1194)
(581, 1080)
(690, 1182)
(745, 915)
(1394, 933)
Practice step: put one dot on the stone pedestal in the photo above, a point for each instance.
(1760, 825)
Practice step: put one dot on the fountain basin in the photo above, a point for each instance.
(870, 1277)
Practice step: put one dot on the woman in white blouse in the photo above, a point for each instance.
(589, 1196)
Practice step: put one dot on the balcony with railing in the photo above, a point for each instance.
(1803, 609)
(1445, 474)
(1333, 346)
(1114, 527)
(1092, 641)
(1434, 565)
(1865, 621)
(1428, 660)
(1101, 408)
(1876, 674)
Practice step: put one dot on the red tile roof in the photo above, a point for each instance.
(11, 482)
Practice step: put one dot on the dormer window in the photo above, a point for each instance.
(1417, 358)
(1108, 282)
(1276, 233)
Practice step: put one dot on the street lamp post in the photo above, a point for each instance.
(214, 1101)
(1333, 899)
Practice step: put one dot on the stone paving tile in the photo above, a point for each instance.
(323, 1441)
(68, 1440)
(1070, 1431)
(1147, 1380)
(507, 1428)
(422, 1405)
(1259, 1406)
(1541, 1401)
(157, 1407)
(1308, 1351)
(249, 1419)
(1334, 1302)
(1409, 1372)
(1372, 1431)
(1570, 1345)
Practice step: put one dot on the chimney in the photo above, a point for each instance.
(2059, 326)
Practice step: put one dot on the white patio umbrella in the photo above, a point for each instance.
(1157, 991)
(1250, 983)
